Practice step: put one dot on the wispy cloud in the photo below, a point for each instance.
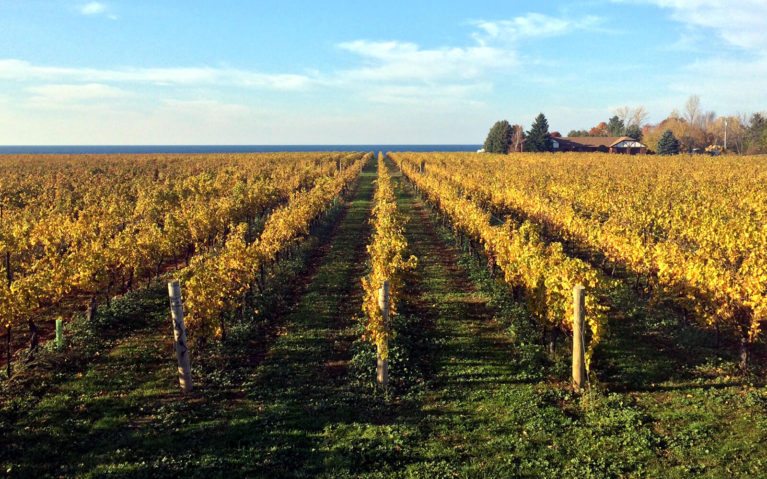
(434, 95)
(416, 80)
(740, 23)
(494, 47)
(13, 69)
(77, 92)
(97, 9)
(55, 96)
(407, 61)
(388, 71)
(531, 25)
(722, 81)
(93, 8)
(719, 75)
(405, 72)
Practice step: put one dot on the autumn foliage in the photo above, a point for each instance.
(386, 249)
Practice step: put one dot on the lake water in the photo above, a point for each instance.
(126, 149)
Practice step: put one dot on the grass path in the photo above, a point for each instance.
(489, 409)
(495, 407)
(301, 390)
(476, 404)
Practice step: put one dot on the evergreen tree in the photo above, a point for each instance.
(668, 144)
(538, 138)
(756, 134)
(499, 138)
(616, 126)
(634, 132)
(577, 133)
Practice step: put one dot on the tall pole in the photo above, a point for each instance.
(382, 365)
(579, 359)
(59, 333)
(179, 336)
(725, 133)
(8, 327)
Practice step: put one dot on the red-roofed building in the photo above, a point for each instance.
(609, 144)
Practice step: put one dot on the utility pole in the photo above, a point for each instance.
(725, 133)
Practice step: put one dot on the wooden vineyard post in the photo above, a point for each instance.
(579, 358)
(8, 328)
(8, 354)
(59, 333)
(179, 336)
(90, 313)
(382, 365)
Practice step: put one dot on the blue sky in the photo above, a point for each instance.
(309, 72)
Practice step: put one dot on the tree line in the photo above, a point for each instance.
(692, 129)
(505, 138)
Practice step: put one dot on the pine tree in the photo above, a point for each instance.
(616, 126)
(668, 144)
(634, 132)
(499, 138)
(538, 138)
(756, 134)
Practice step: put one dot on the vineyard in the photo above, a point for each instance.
(389, 315)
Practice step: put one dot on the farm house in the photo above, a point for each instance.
(609, 144)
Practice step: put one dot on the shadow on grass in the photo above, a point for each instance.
(651, 345)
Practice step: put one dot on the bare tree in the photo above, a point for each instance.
(631, 116)
(517, 135)
(736, 132)
(692, 110)
(638, 116)
(623, 113)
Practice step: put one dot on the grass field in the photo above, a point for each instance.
(473, 393)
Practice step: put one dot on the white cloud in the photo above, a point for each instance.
(75, 97)
(194, 122)
(740, 23)
(403, 72)
(722, 79)
(724, 84)
(406, 69)
(400, 86)
(19, 70)
(407, 61)
(93, 8)
(97, 8)
(69, 93)
(494, 48)
(531, 25)
(433, 95)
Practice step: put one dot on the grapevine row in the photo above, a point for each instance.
(386, 250)
(542, 271)
(103, 224)
(698, 232)
(218, 282)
